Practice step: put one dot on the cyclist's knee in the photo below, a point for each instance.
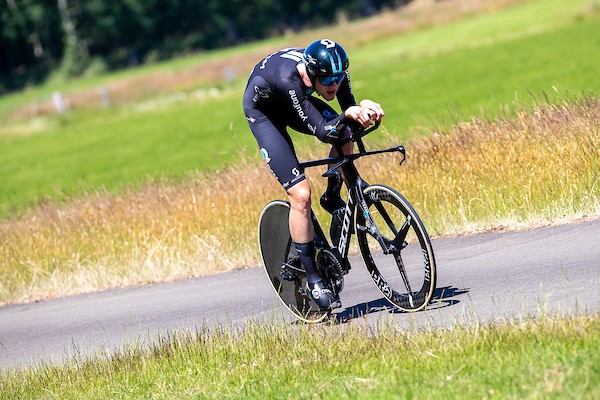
(299, 196)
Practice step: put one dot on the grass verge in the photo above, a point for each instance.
(538, 168)
(542, 359)
(433, 76)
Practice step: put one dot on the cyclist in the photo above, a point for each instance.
(279, 94)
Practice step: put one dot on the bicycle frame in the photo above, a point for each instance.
(355, 184)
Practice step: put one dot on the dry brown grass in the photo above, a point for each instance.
(159, 233)
(540, 168)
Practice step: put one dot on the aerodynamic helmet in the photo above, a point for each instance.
(325, 59)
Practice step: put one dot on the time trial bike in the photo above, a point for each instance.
(392, 240)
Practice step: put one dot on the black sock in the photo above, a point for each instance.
(306, 252)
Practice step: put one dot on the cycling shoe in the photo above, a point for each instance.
(323, 296)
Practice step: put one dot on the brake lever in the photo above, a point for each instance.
(402, 151)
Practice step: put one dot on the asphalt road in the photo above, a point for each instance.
(484, 278)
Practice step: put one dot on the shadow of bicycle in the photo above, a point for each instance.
(442, 297)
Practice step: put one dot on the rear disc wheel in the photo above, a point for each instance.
(277, 252)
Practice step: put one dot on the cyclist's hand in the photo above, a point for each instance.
(359, 114)
(375, 109)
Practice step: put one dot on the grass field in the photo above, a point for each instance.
(499, 113)
(538, 168)
(544, 359)
(486, 64)
(537, 163)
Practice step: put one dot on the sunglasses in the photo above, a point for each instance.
(329, 80)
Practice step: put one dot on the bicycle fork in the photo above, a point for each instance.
(393, 246)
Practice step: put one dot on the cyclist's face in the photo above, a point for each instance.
(327, 92)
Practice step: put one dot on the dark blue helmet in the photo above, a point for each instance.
(325, 58)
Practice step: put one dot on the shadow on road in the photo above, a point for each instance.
(442, 297)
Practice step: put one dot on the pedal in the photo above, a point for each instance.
(345, 267)
(287, 276)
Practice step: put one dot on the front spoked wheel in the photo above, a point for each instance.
(396, 249)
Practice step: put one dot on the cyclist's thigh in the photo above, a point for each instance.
(276, 148)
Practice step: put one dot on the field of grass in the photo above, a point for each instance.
(500, 115)
(543, 359)
(206, 69)
(424, 78)
(538, 168)
(179, 183)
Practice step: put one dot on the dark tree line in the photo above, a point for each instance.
(74, 36)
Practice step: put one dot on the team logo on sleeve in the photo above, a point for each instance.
(260, 93)
(265, 155)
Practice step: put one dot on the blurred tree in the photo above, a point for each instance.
(29, 41)
(37, 36)
(76, 54)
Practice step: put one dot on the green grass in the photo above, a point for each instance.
(543, 359)
(538, 168)
(457, 83)
(431, 77)
(84, 155)
(43, 92)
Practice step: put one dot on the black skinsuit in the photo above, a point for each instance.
(276, 98)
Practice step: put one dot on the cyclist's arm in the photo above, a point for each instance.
(344, 95)
(309, 115)
(326, 131)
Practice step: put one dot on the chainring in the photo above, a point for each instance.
(330, 268)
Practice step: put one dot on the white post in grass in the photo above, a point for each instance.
(59, 102)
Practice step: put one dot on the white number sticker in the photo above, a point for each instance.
(328, 43)
(292, 55)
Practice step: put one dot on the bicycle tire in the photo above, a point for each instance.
(406, 277)
(276, 248)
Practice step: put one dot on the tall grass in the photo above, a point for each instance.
(538, 168)
(433, 76)
(542, 359)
